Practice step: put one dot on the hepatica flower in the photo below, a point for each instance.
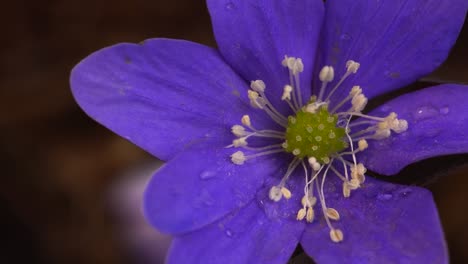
(267, 140)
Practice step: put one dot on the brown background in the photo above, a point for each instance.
(58, 166)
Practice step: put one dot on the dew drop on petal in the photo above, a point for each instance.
(405, 192)
(444, 110)
(425, 112)
(384, 196)
(205, 175)
(230, 6)
(228, 232)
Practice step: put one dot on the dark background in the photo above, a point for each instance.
(64, 194)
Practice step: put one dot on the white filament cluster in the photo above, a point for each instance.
(343, 164)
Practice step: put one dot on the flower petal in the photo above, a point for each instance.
(202, 185)
(244, 236)
(162, 95)
(396, 42)
(381, 223)
(254, 37)
(437, 125)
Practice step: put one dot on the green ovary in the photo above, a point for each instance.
(314, 135)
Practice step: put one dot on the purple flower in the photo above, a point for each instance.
(261, 145)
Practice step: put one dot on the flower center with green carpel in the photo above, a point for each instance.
(314, 135)
(321, 137)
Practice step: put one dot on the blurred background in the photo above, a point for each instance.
(70, 190)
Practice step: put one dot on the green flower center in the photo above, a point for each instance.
(314, 135)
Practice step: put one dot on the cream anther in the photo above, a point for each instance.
(298, 66)
(333, 214)
(327, 73)
(255, 100)
(346, 190)
(357, 172)
(246, 120)
(286, 192)
(353, 184)
(352, 66)
(287, 92)
(275, 193)
(336, 235)
(301, 214)
(358, 102)
(314, 164)
(355, 90)
(240, 142)
(295, 65)
(308, 201)
(362, 144)
(312, 108)
(258, 86)
(310, 215)
(238, 158)
(381, 134)
(238, 131)
(402, 126)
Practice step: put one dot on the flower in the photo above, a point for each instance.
(239, 186)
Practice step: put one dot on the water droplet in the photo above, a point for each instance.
(205, 175)
(230, 6)
(444, 110)
(425, 112)
(345, 37)
(405, 192)
(228, 232)
(384, 196)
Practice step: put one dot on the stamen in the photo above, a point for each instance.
(246, 121)
(352, 68)
(295, 67)
(275, 193)
(258, 86)
(301, 214)
(238, 158)
(286, 92)
(336, 235)
(238, 131)
(326, 75)
(333, 214)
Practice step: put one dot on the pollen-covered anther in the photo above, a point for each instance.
(240, 142)
(295, 65)
(362, 144)
(258, 86)
(301, 214)
(358, 171)
(382, 133)
(287, 92)
(310, 215)
(352, 66)
(286, 192)
(255, 100)
(275, 193)
(336, 235)
(327, 74)
(238, 131)
(308, 201)
(356, 90)
(346, 190)
(246, 121)
(333, 214)
(238, 158)
(358, 102)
